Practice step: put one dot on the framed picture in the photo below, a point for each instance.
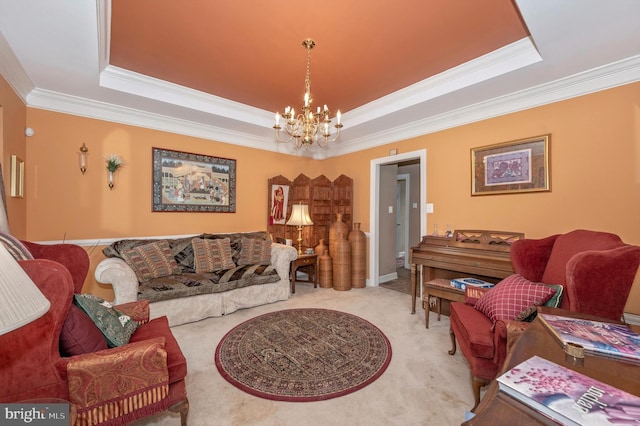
(185, 182)
(511, 167)
(279, 202)
(17, 177)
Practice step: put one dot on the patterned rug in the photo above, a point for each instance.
(302, 355)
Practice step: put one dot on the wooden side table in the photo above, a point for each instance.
(308, 263)
(439, 288)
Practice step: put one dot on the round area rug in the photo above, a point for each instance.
(302, 355)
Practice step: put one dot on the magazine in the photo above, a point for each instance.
(462, 283)
(567, 396)
(597, 338)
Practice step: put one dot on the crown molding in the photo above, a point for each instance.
(606, 77)
(149, 87)
(59, 102)
(509, 58)
(12, 71)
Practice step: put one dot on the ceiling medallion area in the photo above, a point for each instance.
(308, 126)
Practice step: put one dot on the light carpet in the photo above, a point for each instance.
(422, 385)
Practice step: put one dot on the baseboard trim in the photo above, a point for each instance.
(388, 277)
(630, 318)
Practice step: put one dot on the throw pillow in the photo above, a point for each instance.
(15, 247)
(153, 260)
(529, 314)
(212, 255)
(80, 335)
(116, 327)
(255, 251)
(511, 296)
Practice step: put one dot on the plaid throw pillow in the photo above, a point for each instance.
(153, 260)
(212, 255)
(255, 252)
(511, 296)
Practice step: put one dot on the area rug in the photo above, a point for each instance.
(302, 355)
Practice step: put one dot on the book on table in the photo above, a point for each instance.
(462, 283)
(597, 338)
(567, 396)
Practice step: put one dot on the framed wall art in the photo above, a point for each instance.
(17, 177)
(186, 182)
(511, 167)
(279, 204)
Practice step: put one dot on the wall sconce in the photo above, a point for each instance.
(300, 217)
(114, 162)
(83, 158)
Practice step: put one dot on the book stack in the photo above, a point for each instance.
(462, 283)
(595, 337)
(567, 396)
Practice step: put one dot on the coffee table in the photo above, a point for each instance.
(497, 408)
(439, 288)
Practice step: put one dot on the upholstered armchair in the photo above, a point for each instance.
(108, 386)
(594, 269)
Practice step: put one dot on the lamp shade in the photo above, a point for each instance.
(20, 299)
(300, 216)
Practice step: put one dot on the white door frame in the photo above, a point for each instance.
(406, 177)
(374, 220)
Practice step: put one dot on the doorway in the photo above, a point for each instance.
(377, 231)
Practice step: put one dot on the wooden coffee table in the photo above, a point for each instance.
(439, 288)
(497, 408)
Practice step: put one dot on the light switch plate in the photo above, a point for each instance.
(429, 207)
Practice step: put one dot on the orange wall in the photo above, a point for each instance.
(83, 207)
(594, 162)
(12, 142)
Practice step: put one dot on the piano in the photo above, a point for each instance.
(467, 253)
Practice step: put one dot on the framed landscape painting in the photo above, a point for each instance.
(511, 167)
(186, 182)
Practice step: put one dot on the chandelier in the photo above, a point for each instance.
(307, 127)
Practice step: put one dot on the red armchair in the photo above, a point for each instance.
(596, 270)
(110, 386)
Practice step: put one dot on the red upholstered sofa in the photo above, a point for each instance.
(111, 386)
(596, 270)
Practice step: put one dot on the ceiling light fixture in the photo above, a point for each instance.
(308, 126)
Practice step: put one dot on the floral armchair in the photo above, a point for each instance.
(108, 386)
(594, 269)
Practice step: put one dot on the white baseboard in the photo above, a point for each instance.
(630, 318)
(388, 277)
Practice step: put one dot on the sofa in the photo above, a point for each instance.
(63, 355)
(191, 278)
(582, 271)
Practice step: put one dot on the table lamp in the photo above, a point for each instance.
(20, 299)
(300, 217)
